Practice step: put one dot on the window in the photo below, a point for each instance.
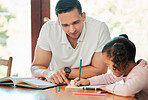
(16, 39)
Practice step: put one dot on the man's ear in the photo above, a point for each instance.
(84, 16)
(59, 22)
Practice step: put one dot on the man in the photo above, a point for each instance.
(61, 44)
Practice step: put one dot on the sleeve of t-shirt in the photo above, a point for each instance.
(43, 39)
(104, 79)
(104, 37)
(134, 84)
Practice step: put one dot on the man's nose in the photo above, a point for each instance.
(71, 29)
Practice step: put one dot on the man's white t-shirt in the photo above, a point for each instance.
(94, 36)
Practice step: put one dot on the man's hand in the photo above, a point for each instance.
(57, 77)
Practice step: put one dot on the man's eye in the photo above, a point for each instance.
(64, 25)
(76, 22)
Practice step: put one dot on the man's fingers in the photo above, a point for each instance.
(56, 79)
(41, 78)
(53, 79)
(65, 79)
(58, 75)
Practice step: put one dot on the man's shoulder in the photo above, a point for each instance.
(52, 26)
(51, 23)
(94, 24)
(91, 20)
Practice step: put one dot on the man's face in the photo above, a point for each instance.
(72, 23)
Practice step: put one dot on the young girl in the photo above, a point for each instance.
(119, 55)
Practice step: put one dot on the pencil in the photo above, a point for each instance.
(90, 88)
(80, 69)
(88, 94)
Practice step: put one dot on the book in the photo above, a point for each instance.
(27, 82)
(90, 87)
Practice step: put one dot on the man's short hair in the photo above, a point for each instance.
(64, 6)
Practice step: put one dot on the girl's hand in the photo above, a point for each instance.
(81, 82)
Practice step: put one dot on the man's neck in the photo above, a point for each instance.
(72, 41)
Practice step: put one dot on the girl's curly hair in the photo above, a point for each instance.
(121, 50)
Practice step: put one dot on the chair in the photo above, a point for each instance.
(7, 63)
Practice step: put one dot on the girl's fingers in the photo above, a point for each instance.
(76, 80)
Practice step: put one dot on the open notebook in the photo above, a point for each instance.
(28, 82)
(94, 87)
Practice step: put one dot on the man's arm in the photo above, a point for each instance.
(40, 67)
(41, 62)
(97, 67)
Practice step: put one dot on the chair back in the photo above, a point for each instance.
(7, 63)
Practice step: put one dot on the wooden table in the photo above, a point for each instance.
(17, 93)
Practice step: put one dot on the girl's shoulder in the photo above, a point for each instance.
(142, 63)
(140, 70)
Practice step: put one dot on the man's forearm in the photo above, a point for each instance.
(87, 72)
(41, 71)
(37, 71)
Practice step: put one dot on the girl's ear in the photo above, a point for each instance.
(115, 68)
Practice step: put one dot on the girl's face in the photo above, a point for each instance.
(110, 64)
